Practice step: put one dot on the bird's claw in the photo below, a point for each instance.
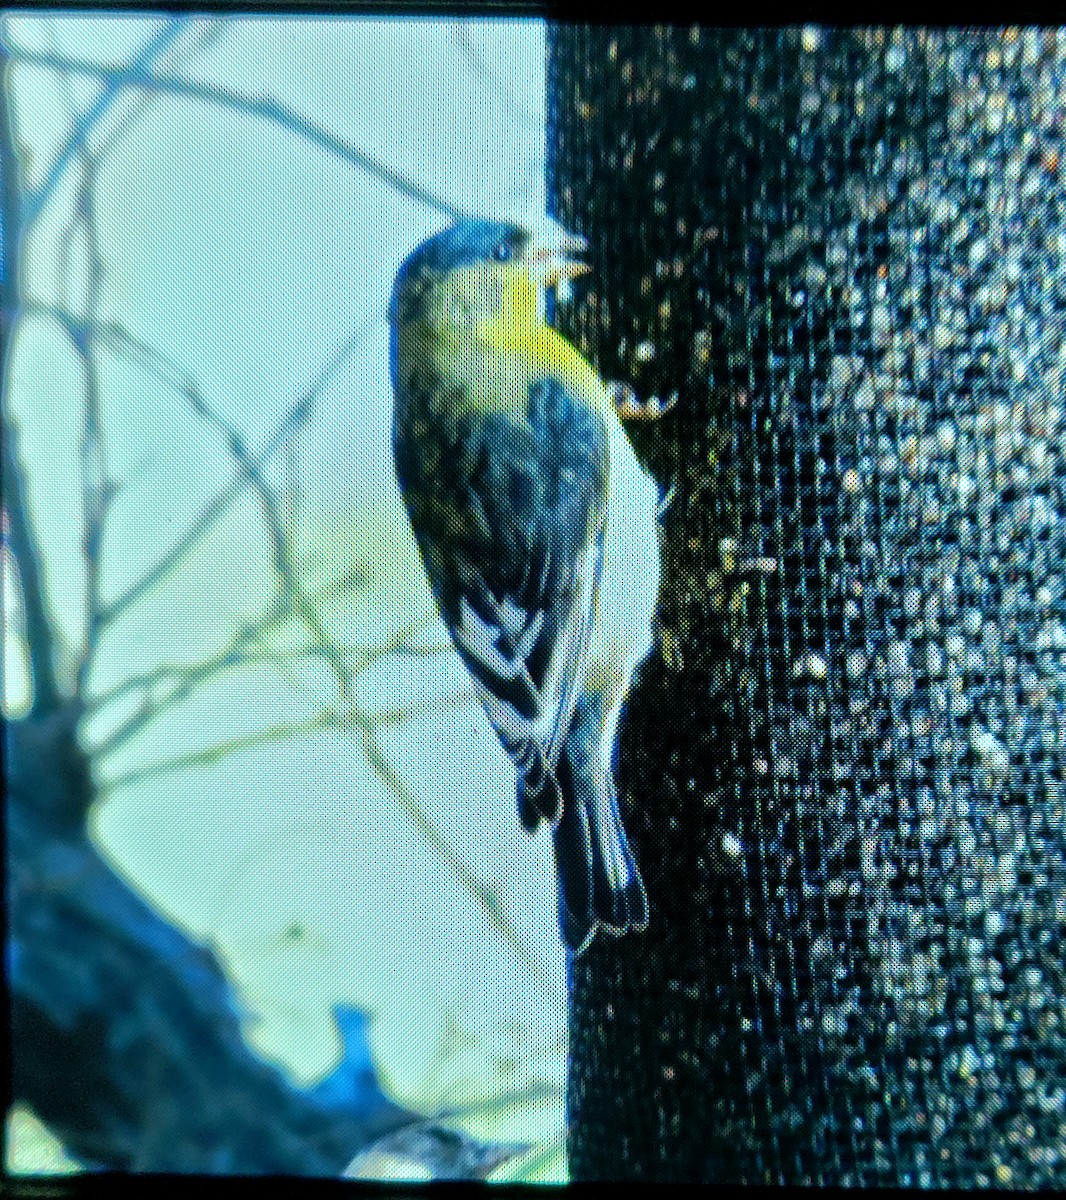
(629, 406)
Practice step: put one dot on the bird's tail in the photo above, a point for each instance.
(599, 883)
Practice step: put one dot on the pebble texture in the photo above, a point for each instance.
(842, 767)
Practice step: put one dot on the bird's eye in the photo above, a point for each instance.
(502, 252)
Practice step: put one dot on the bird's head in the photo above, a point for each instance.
(477, 275)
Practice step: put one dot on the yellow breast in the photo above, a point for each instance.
(483, 333)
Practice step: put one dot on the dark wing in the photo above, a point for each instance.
(510, 528)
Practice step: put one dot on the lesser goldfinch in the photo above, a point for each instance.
(501, 434)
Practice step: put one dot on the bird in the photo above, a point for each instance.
(502, 438)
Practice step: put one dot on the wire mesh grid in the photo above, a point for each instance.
(843, 766)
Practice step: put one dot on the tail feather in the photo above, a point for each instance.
(571, 841)
(599, 882)
(619, 899)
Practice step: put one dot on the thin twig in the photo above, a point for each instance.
(236, 653)
(333, 720)
(211, 755)
(486, 898)
(181, 679)
(292, 596)
(98, 489)
(297, 415)
(490, 79)
(148, 56)
(20, 536)
(432, 706)
(185, 678)
(187, 681)
(217, 94)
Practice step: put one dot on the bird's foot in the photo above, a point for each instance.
(629, 406)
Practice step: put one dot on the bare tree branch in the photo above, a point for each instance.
(433, 706)
(184, 678)
(366, 727)
(40, 633)
(486, 898)
(19, 532)
(292, 596)
(97, 487)
(298, 414)
(283, 731)
(491, 80)
(180, 680)
(188, 680)
(216, 94)
(76, 143)
(294, 611)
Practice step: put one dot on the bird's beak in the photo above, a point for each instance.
(554, 258)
